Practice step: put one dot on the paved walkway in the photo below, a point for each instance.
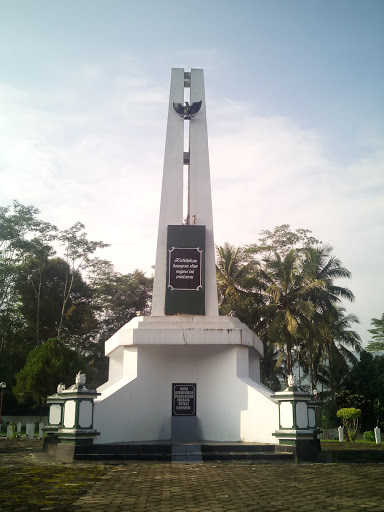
(29, 482)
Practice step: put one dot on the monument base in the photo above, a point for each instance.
(220, 355)
(307, 445)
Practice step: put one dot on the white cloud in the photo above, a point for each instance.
(100, 162)
(269, 171)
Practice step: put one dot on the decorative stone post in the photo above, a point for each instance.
(56, 411)
(75, 425)
(297, 421)
(55, 419)
(78, 413)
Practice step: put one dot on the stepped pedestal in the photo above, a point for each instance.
(220, 356)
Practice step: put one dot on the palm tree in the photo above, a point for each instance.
(338, 341)
(377, 343)
(288, 287)
(236, 273)
(239, 285)
(320, 265)
(319, 262)
(271, 367)
(329, 344)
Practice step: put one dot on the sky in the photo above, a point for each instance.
(294, 95)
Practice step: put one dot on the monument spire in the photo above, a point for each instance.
(199, 192)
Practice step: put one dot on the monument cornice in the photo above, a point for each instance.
(184, 330)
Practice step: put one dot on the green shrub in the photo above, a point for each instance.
(350, 421)
(369, 435)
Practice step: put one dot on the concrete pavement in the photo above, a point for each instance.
(29, 481)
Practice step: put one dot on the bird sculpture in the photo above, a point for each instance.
(188, 111)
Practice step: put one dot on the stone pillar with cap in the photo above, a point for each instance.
(55, 418)
(77, 418)
(297, 420)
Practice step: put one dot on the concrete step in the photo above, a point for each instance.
(251, 456)
(184, 452)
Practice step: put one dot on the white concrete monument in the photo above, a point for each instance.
(184, 372)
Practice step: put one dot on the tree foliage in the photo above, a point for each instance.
(78, 251)
(377, 343)
(44, 295)
(47, 366)
(350, 421)
(286, 288)
(363, 387)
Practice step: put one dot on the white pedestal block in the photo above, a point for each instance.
(219, 354)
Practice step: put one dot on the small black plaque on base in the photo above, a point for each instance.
(184, 419)
(183, 399)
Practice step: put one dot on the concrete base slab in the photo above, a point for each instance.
(65, 452)
(184, 428)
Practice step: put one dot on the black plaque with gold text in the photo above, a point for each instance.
(185, 290)
(183, 399)
(184, 272)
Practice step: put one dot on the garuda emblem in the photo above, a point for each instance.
(188, 111)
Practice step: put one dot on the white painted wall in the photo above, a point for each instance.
(260, 416)
(230, 406)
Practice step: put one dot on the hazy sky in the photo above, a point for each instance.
(294, 92)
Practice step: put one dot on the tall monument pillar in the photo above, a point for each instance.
(199, 208)
(184, 372)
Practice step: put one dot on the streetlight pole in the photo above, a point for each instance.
(2, 386)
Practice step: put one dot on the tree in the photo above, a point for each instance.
(32, 272)
(233, 267)
(79, 322)
(377, 344)
(282, 240)
(329, 345)
(322, 265)
(271, 367)
(285, 288)
(288, 290)
(21, 233)
(365, 380)
(338, 343)
(271, 244)
(329, 323)
(119, 297)
(350, 421)
(45, 368)
(78, 251)
(239, 285)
